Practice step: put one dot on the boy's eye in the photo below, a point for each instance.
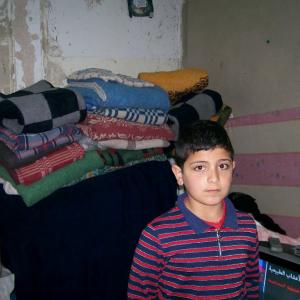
(199, 168)
(224, 166)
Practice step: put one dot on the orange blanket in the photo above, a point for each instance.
(179, 82)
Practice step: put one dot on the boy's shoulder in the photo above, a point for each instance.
(169, 218)
(245, 218)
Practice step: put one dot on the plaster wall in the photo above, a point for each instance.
(51, 38)
(251, 50)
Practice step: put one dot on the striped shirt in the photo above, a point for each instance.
(179, 256)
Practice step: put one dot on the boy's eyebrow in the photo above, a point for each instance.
(228, 159)
(206, 162)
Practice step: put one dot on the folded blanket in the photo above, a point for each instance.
(18, 158)
(89, 144)
(109, 169)
(37, 87)
(8, 188)
(30, 141)
(42, 111)
(138, 115)
(103, 128)
(133, 145)
(200, 106)
(98, 93)
(108, 75)
(222, 115)
(179, 82)
(92, 160)
(35, 192)
(47, 164)
(112, 157)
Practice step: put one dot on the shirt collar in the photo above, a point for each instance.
(200, 225)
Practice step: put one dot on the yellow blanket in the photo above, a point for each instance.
(179, 82)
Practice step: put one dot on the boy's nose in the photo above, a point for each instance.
(213, 175)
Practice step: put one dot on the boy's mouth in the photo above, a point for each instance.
(213, 190)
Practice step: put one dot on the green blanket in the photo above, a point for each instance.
(74, 172)
(31, 194)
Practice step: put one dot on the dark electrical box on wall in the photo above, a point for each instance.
(140, 8)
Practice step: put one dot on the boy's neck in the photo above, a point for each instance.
(205, 212)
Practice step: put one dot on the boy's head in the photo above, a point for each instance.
(202, 135)
(204, 164)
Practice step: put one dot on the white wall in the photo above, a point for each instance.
(251, 50)
(51, 38)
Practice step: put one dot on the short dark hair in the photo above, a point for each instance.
(201, 135)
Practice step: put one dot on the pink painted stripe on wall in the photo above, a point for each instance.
(264, 118)
(271, 169)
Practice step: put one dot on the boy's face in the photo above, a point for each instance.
(206, 175)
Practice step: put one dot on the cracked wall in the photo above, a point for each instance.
(50, 39)
(6, 66)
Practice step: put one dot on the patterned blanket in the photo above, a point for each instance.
(98, 93)
(103, 128)
(34, 110)
(47, 164)
(179, 82)
(138, 115)
(29, 141)
(18, 158)
(73, 172)
(199, 106)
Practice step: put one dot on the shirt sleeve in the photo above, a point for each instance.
(252, 272)
(146, 267)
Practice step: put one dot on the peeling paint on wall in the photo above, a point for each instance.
(25, 53)
(51, 50)
(54, 73)
(92, 3)
(50, 47)
(5, 48)
(50, 38)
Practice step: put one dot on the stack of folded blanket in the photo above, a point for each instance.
(38, 135)
(190, 99)
(123, 112)
(100, 122)
(192, 107)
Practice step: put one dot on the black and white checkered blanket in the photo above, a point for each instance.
(41, 107)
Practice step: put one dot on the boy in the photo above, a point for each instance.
(202, 248)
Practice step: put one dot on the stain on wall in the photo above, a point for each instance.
(24, 51)
(92, 3)
(49, 39)
(50, 46)
(6, 67)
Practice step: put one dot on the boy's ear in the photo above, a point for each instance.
(178, 174)
(233, 167)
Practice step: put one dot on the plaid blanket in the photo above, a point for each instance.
(199, 106)
(47, 164)
(34, 110)
(138, 115)
(18, 158)
(99, 127)
(27, 141)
